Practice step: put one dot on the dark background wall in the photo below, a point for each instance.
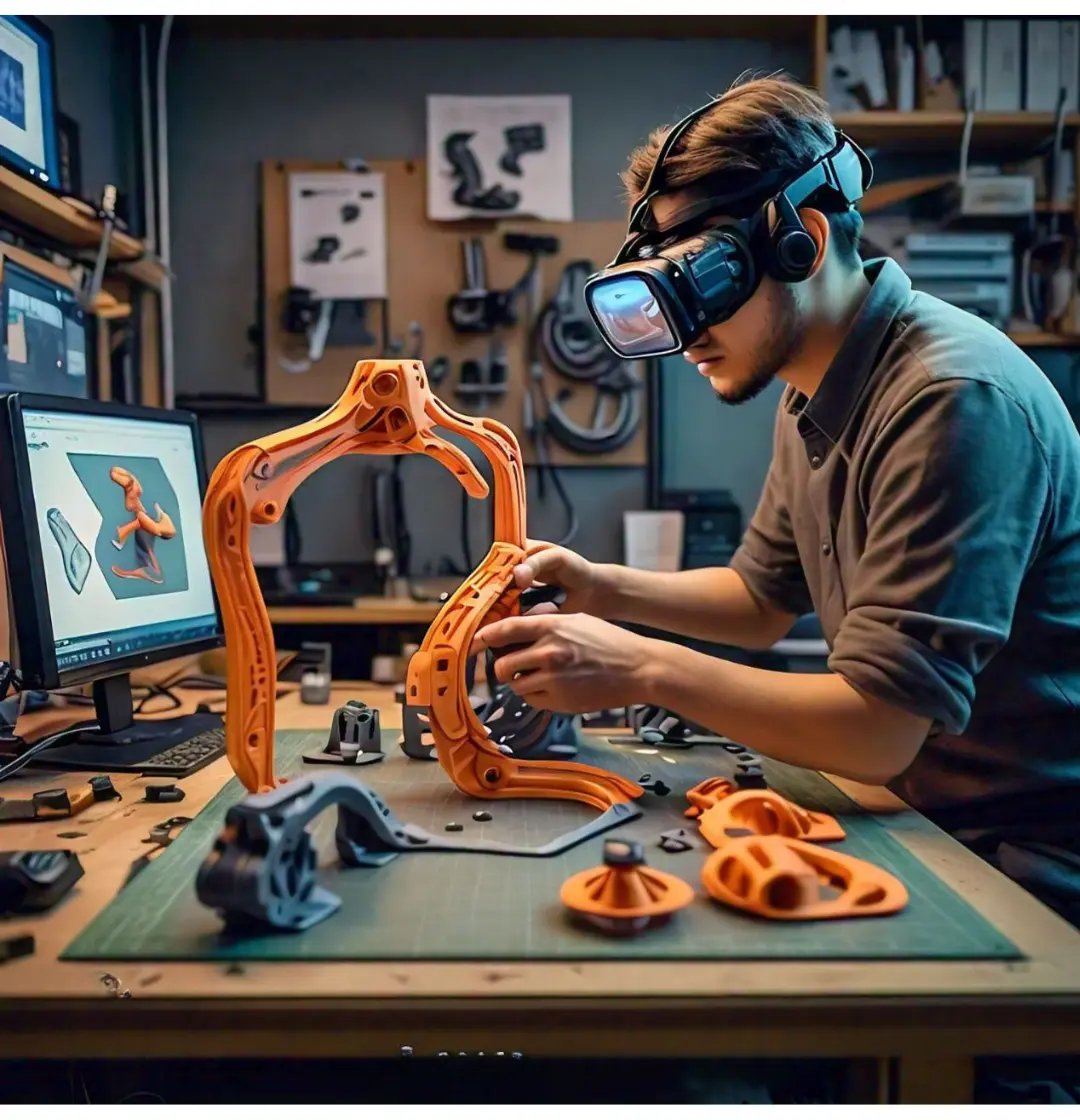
(233, 103)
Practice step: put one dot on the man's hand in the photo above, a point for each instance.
(552, 564)
(571, 663)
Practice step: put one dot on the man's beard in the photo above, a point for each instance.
(775, 353)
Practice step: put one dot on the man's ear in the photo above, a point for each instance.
(817, 225)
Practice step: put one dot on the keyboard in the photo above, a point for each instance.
(185, 758)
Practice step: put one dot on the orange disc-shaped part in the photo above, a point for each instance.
(625, 890)
(765, 813)
(791, 880)
(706, 794)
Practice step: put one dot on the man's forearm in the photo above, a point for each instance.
(814, 720)
(712, 604)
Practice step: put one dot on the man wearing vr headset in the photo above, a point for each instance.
(923, 499)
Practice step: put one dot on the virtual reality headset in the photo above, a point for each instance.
(670, 283)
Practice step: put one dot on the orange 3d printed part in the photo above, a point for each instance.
(624, 895)
(387, 408)
(776, 877)
(706, 794)
(765, 813)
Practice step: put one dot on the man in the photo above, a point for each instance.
(923, 499)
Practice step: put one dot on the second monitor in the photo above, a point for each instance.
(101, 508)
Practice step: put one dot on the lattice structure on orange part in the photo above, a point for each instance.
(387, 408)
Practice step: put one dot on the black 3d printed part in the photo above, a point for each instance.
(262, 869)
(355, 738)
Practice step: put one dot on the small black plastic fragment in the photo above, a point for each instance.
(673, 844)
(21, 945)
(674, 834)
(164, 792)
(661, 789)
(453, 826)
(481, 815)
(734, 748)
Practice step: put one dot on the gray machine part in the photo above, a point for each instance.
(261, 871)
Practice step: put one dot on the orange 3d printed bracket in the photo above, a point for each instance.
(765, 813)
(777, 877)
(387, 408)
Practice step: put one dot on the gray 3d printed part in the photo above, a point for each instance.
(355, 738)
(76, 557)
(261, 870)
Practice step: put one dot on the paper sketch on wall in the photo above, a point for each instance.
(492, 157)
(337, 234)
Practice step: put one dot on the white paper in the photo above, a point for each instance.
(337, 234)
(653, 539)
(512, 156)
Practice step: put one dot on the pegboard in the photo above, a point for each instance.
(425, 268)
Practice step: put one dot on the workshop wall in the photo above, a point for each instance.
(234, 103)
(91, 90)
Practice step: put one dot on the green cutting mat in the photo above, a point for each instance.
(434, 905)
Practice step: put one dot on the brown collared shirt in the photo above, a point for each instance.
(925, 503)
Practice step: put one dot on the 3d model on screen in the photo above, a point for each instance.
(146, 530)
(140, 542)
(76, 557)
(386, 409)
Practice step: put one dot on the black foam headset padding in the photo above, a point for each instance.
(794, 252)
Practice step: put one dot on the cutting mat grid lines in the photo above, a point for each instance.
(467, 906)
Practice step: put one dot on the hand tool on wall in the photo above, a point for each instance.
(91, 286)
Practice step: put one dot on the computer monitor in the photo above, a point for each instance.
(28, 130)
(49, 339)
(101, 510)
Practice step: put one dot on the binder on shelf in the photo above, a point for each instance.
(1043, 72)
(1003, 67)
(974, 64)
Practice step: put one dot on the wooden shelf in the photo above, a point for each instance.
(72, 224)
(944, 130)
(1044, 339)
(773, 29)
(366, 611)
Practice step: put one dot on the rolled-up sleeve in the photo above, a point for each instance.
(767, 559)
(958, 497)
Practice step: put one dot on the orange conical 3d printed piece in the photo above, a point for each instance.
(777, 877)
(706, 794)
(624, 895)
(765, 813)
(387, 408)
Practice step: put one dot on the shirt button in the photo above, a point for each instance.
(815, 461)
(826, 548)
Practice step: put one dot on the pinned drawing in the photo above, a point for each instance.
(491, 157)
(337, 234)
(77, 560)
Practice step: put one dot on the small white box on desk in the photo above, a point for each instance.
(653, 540)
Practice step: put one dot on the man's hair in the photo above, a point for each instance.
(759, 125)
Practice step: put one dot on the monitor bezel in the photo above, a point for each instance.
(43, 270)
(27, 589)
(53, 185)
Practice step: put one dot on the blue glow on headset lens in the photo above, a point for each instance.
(628, 313)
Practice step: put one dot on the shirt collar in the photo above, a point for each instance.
(827, 412)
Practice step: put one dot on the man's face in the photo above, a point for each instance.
(742, 355)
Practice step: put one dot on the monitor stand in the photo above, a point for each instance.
(122, 744)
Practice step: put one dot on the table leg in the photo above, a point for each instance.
(921, 1079)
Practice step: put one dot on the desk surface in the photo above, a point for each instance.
(629, 1007)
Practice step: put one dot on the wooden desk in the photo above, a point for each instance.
(932, 1018)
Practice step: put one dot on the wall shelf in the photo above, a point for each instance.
(73, 224)
(1045, 340)
(926, 129)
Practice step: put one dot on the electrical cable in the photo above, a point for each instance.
(32, 752)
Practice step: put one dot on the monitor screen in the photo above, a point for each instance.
(119, 518)
(45, 345)
(705, 444)
(28, 137)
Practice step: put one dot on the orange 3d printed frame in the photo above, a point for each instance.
(387, 408)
